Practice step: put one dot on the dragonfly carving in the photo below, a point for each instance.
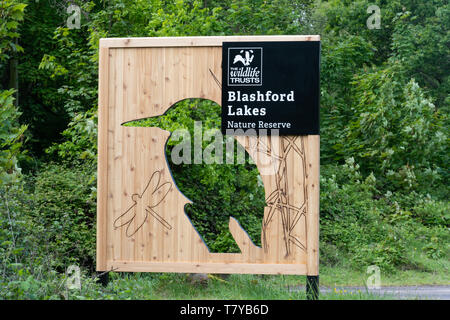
(145, 205)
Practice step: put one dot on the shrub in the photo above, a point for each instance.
(64, 213)
(433, 213)
(11, 134)
(396, 131)
(361, 227)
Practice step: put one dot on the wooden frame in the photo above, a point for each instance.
(147, 231)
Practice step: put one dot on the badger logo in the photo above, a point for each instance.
(245, 61)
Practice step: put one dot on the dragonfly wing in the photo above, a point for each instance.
(138, 223)
(159, 194)
(153, 183)
(126, 217)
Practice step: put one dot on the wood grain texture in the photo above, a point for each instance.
(313, 165)
(141, 224)
(209, 267)
(200, 41)
(102, 173)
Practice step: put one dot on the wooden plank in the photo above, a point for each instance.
(313, 165)
(200, 41)
(210, 267)
(102, 174)
(116, 152)
(113, 163)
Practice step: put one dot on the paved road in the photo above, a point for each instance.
(408, 292)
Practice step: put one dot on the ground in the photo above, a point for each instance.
(336, 283)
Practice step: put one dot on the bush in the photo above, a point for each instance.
(43, 231)
(433, 213)
(64, 213)
(11, 134)
(361, 227)
(396, 130)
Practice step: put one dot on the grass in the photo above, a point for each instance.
(338, 276)
(249, 287)
(157, 286)
(142, 286)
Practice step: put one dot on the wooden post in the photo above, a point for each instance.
(312, 287)
(102, 180)
(312, 232)
(313, 162)
(104, 278)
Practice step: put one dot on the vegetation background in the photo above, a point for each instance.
(384, 142)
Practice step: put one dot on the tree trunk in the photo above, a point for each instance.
(14, 77)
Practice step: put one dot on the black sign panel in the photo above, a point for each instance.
(271, 85)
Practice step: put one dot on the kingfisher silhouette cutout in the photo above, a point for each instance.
(144, 205)
(278, 201)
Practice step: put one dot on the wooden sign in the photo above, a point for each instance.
(141, 223)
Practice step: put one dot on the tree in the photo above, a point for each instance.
(11, 133)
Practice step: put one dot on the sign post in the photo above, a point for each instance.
(268, 83)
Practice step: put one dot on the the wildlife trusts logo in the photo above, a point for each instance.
(245, 66)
